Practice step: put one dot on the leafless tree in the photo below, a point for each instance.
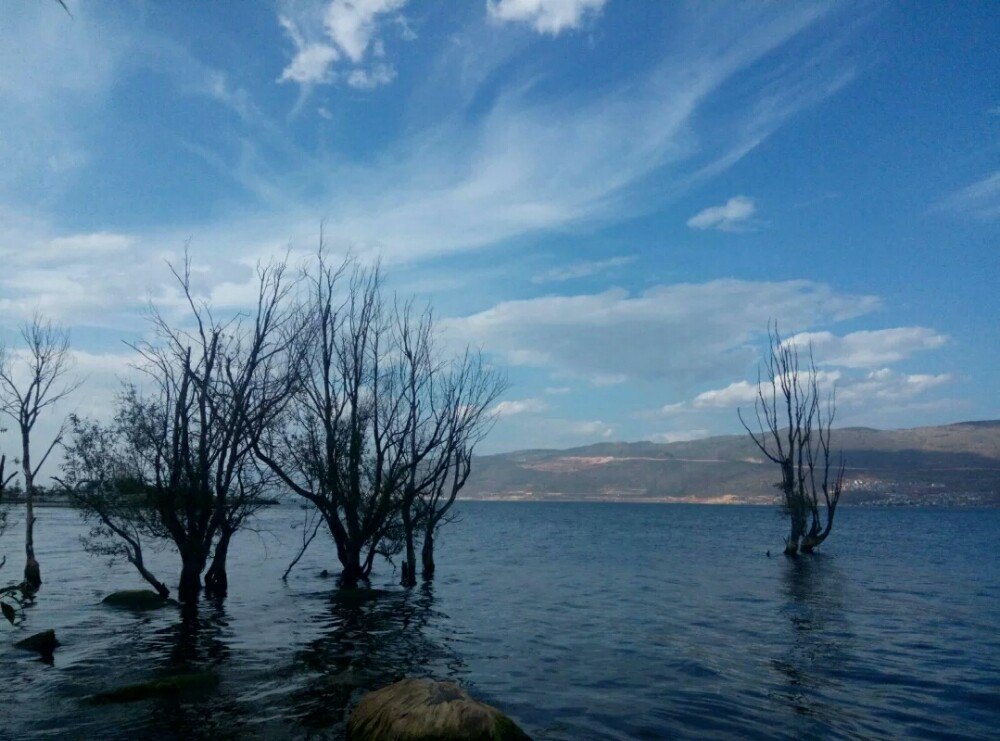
(341, 444)
(104, 473)
(188, 475)
(30, 384)
(793, 429)
(449, 407)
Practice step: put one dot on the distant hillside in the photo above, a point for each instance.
(949, 464)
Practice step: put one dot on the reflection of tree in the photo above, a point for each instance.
(370, 638)
(819, 644)
(195, 643)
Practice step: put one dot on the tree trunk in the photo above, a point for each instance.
(427, 554)
(190, 585)
(136, 559)
(32, 572)
(352, 573)
(409, 575)
(216, 579)
(792, 543)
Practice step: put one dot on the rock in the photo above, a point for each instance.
(136, 599)
(43, 643)
(165, 687)
(424, 709)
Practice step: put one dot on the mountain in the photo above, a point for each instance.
(948, 464)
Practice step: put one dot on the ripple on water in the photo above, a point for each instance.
(581, 621)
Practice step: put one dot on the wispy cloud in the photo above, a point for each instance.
(582, 269)
(683, 332)
(980, 200)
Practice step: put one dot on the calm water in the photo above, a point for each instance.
(579, 620)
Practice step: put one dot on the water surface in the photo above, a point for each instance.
(579, 620)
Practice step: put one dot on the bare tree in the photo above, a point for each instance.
(341, 445)
(178, 465)
(29, 385)
(104, 475)
(449, 416)
(793, 429)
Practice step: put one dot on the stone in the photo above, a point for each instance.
(44, 643)
(165, 687)
(136, 599)
(425, 709)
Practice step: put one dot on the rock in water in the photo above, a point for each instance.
(136, 599)
(196, 683)
(43, 643)
(424, 709)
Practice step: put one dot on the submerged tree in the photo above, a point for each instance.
(178, 463)
(28, 387)
(450, 408)
(378, 419)
(104, 473)
(340, 446)
(793, 429)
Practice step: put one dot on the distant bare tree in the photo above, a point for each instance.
(29, 385)
(793, 429)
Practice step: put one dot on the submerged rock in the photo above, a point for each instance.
(44, 643)
(424, 709)
(137, 599)
(165, 687)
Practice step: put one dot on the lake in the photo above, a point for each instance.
(579, 620)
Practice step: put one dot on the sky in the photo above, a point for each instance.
(612, 198)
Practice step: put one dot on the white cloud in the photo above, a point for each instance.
(679, 436)
(342, 30)
(558, 390)
(731, 216)
(312, 61)
(886, 388)
(545, 16)
(733, 395)
(591, 429)
(683, 332)
(868, 349)
(981, 199)
(582, 269)
(512, 407)
(380, 74)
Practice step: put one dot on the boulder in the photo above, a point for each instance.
(43, 643)
(424, 709)
(136, 599)
(164, 687)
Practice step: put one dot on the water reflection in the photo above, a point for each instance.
(817, 646)
(369, 637)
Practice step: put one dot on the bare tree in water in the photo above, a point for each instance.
(447, 414)
(29, 386)
(341, 444)
(458, 401)
(178, 464)
(793, 430)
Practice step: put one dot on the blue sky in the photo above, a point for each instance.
(610, 197)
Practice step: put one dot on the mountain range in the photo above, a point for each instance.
(956, 464)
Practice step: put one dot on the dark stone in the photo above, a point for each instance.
(136, 599)
(425, 709)
(194, 683)
(44, 643)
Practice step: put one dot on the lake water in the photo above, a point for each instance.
(579, 620)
